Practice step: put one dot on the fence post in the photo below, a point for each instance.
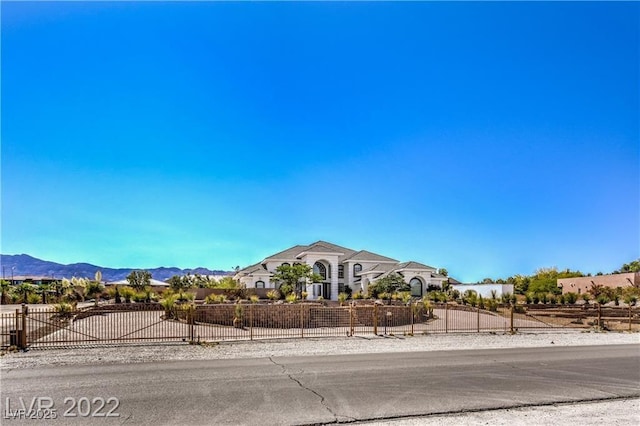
(351, 319)
(16, 327)
(446, 317)
(251, 321)
(23, 333)
(511, 319)
(478, 318)
(191, 321)
(302, 320)
(375, 319)
(411, 313)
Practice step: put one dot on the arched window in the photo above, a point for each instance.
(285, 264)
(416, 287)
(320, 269)
(260, 284)
(357, 268)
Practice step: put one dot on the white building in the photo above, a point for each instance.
(485, 290)
(339, 267)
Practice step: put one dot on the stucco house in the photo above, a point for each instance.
(339, 267)
(583, 284)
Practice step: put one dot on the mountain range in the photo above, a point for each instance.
(23, 264)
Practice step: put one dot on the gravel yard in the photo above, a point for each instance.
(310, 346)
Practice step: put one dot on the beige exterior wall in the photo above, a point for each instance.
(583, 284)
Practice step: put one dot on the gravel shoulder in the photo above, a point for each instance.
(612, 413)
(301, 347)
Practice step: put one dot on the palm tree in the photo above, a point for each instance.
(24, 290)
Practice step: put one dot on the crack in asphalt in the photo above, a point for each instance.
(482, 410)
(338, 418)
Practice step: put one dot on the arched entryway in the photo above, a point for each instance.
(322, 288)
(416, 287)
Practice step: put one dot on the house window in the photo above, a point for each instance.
(340, 271)
(356, 269)
(320, 269)
(260, 284)
(416, 287)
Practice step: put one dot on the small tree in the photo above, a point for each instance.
(294, 276)
(139, 279)
(95, 288)
(392, 283)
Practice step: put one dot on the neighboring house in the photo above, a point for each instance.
(583, 284)
(340, 267)
(155, 284)
(31, 279)
(484, 290)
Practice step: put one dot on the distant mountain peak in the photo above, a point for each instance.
(25, 264)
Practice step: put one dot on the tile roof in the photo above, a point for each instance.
(253, 268)
(378, 268)
(317, 247)
(367, 255)
(412, 265)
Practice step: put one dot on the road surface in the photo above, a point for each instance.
(325, 389)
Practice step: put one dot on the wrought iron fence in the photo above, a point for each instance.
(150, 322)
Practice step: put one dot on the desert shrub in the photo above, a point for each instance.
(254, 298)
(304, 295)
(342, 297)
(63, 310)
(405, 296)
(273, 295)
(602, 299)
(492, 305)
(211, 299)
(291, 297)
(358, 295)
(470, 297)
(586, 297)
(544, 298)
(127, 293)
(552, 299)
(561, 299)
(528, 298)
(571, 298)
(384, 296)
(169, 305)
(33, 298)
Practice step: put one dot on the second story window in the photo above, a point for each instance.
(320, 269)
(340, 271)
(356, 269)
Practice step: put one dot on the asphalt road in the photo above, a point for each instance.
(303, 390)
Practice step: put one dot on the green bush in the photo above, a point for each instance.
(33, 298)
(571, 298)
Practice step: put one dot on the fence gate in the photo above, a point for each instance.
(104, 324)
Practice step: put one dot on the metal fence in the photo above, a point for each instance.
(150, 322)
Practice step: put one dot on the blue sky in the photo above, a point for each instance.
(487, 138)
